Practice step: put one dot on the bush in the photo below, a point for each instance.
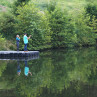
(91, 9)
(84, 33)
(7, 25)
(5, 44)
(62, 28)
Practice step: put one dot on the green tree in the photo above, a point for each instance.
(7, 25)
(91, 9)
(19, 3)
(33, 22)
(58, 24)
(62, 27)
(51, 6)
(84, 33)
(93, 24)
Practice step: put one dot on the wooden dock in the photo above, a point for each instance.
(19, 55)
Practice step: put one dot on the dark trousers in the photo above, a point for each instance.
(25, 47)
(17, 46)
(18, 67)
(26, 65)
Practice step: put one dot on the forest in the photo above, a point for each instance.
(52, 24)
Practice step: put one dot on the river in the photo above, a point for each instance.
(56, 73)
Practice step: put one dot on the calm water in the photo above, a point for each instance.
(57, 73)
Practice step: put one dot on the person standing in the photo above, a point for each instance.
(17, 41)
(25, 39)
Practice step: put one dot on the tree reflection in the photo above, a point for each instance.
(57, 73)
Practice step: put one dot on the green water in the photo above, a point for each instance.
(57, 73)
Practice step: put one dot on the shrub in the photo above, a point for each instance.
(7, 25)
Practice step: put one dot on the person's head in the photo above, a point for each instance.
(17, 35)
(25, 33)
(19, 73)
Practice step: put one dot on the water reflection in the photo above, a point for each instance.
(18, 68)
(58, 73)
(26, 70)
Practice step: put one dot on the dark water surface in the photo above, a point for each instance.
(57, 73)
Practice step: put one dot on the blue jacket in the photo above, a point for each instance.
(17, 40)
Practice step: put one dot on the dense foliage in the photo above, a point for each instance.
(33, 22)
(52, 24)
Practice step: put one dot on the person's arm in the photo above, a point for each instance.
(19, 37)
(30, 73)
(29, 37)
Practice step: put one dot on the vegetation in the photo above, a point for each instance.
(33, 22)
(52, 24)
